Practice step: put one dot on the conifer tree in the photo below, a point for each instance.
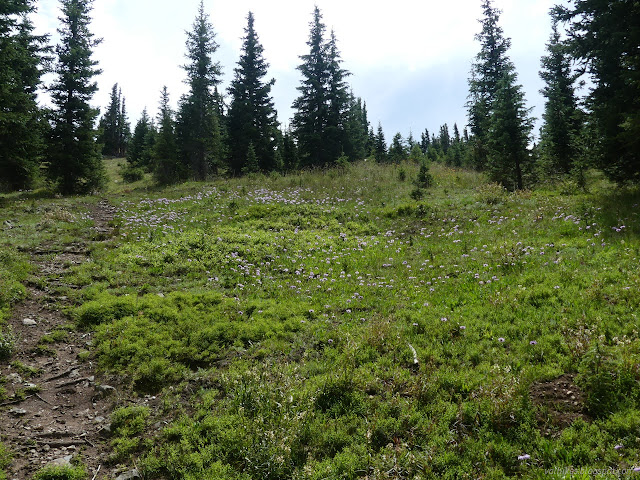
(124, 129)
(114, 125)
(198, 127)
(509, 135)
(489, 68)
(558, 139)
(251, 118)
(425, 141)
(75, 162)
(22, 56)
(445, 138)
(603, 36)
(311, 107)
(371, 143)
(251, 164)
(397, 150)
(140, 153)
(336, 138)
(167, 169)
(380, 145)
(500, 122)
(290, 158)
(356, 132)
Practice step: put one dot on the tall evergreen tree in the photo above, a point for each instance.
(166, 169)
(140, 153)
(604, 37)
(509, 135)
(22, 55)
(356, 130)
(324, 107)
(252, 117)
(397, 151)
(311, 116)
(338, 98)
(558, 139)
(114, 125)
(75, 162)
(425, 141)
(380, 145)
(488, 69)
(499, 120)
(290, 158)
(124, 129)
(198, 128)
(445, 138)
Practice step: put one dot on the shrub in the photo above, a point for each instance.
(131, 174)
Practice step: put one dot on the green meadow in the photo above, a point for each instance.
(328, 325)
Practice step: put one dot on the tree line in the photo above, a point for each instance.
(211, 133)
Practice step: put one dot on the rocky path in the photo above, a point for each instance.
(58, 407)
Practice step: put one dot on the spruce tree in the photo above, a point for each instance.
(499, 120)
(75, 162)
(509, 135)
(198, 127)
(251, 119)
(140, 153)
(310, 118)
(380, 145)
(166, 167)
(356, 130)
(397, 150)
(445, 138)
(336, 138)
(488, 69)
(290, 158)
(124, 129)
(114, 125)
(603, 36)
(558, 139)
(425, 141)
(22, 55)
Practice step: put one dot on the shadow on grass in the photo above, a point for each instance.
(618, 212)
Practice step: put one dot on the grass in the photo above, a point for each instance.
(328, 325)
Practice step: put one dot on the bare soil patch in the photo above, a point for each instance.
(561, 402)
(58, 405)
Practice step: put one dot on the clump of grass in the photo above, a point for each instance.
(52, 472)
(127, 427)
(7, 342)
(5, 461)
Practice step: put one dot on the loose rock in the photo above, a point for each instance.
(61, 462)
(130, 475)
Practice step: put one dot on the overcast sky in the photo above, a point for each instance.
(409, 59)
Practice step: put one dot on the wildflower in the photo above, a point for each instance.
(501, 339)
(330, 340)
(526, 456)
(618, 447)
(443, 319)
(533, 342)
(462, 327)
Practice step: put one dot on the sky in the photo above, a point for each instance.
(409, 60)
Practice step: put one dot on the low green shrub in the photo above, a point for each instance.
(61, 473)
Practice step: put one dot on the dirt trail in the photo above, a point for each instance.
(64, 405)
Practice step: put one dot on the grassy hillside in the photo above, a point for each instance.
(326, 325)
